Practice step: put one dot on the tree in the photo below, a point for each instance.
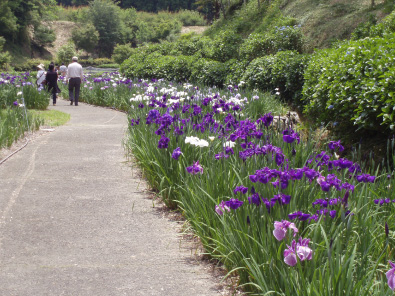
(105, 16)
(85, 37)
(8, 21)
(43, 36)
(4, 56)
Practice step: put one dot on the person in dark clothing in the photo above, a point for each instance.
(52, 82)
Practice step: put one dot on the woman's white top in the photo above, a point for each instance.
(40, 76)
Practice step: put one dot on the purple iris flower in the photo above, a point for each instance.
(234, 203)
(241, 189)
(254, 199)
(299, 250)
(391, 276)
(195, 169)
(163, 142)
(335, 144)
(267, 119)
(365, 178)
(221, 208)
(289, 136)
(16, 103)
(280, 229)
(176, 153)
(300, 215)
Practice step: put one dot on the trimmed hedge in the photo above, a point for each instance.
(353, 85)
(282, 71)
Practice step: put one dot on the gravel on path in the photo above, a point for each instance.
(76, 219)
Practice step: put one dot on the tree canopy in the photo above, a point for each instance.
(141, 5)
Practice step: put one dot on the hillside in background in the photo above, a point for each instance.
(322, 21)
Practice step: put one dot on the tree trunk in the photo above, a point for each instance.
(372, 3)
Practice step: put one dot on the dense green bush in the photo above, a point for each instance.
(85, 37)
(190, 18)
(236, 69)
(282, 73)
(121, 52)
(225, 46)
(209, 72)
(280, 39)
(95, 62)
(353, 85)
(372, 29)
(31, 65)
(65, 53)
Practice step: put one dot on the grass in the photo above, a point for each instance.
(323, 21)
(52, 117)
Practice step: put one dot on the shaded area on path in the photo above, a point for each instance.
(75, 219)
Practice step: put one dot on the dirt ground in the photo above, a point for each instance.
(62, 31)
(196, 29)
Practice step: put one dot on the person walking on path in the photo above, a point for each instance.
(52, 82)
(40, 75)
(74, 78)
(63, 70)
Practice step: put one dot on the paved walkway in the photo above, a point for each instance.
(75, 220)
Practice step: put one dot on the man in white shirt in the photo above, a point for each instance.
(74, 78)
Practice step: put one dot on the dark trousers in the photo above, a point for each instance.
(53, 95)
(74, 89)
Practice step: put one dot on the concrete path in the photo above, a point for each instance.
(75, 219)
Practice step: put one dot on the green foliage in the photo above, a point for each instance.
(31, 65)
(85, 37)
(106, 18)
(373, 29)
(65, 53)
(190, 18)
(209, 72)
(353, 85)
(236, 69)
(156, 27)
(5, 57)
(14, 125)
(281, 38)
(281, 72)
(43, 36)
(95, 62)
(121, 53)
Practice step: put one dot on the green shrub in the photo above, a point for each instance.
(353, 85)
(209, 72)
(236, 69)
(372, 29)
(281, 39)
(65, 53)
(121, 52)
(95, 62)
(190, 18)
(282, 71)
(5, 57)
(225, 46)
(85, 37)
(31, 65)
(185, 47)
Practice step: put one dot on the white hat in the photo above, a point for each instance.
(75, 59)
(41, 66)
